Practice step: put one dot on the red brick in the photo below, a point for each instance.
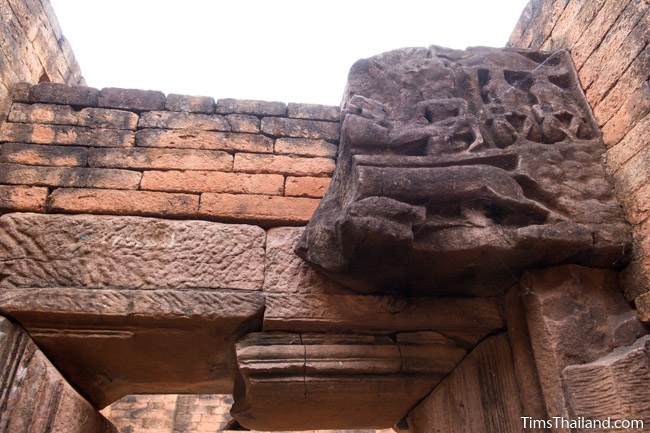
(131, 99)
(243, 123)
(248, 106)
(181, 120)
(22, 198)
(265, 209)
(68, 135)
(213, 181)
(300, 128)
(306, 186)
(42, 113)
(305, 147)
(120, 202)
(191, 104)
(34, 154)
(635, 108)
(15, 174)
(155, 158)
(300, 166)
(192, 139)
(314, 112)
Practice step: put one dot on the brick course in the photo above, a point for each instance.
(130, 152)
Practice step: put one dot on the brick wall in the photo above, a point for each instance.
(71, 149)
(608, 40)
(32, 47)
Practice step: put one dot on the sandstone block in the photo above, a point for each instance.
(307, 381)
(36, 397)
(642, 304)
(183, 120)
(213, 181)
(286, 272)
(67, 135)
(101, 252)
(283, 164)
(247, 106)
(204, 140)
(32, 154)
(575, 315)
(80, 177)
(300, 128)
(632, 175)
(313, 112)
(305, 147)
(199, 327)
(55, 93)
(320, 312)
(121, 202)
(157, 158)
(131, 99)
(42, 113)
(22, 198)
(264, 209)
(480, 395)
(306, 186)
(614, 386)
(243, 123)
(190, 104)
(20, 92)
(107, 118)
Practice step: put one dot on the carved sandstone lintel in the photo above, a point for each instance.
(336, 381)
(462, 167)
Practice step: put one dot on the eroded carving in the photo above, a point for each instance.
(460, 167)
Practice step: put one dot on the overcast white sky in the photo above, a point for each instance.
(286, 50)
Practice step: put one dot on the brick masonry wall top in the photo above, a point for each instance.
(66, 149)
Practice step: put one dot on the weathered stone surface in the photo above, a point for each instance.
(213, 181)
(42, 113)
(325, 381)
(131, 99)
(101, 252)
(107, 118)
(120, 202)
(306, 186)
(68, 135)
(614, 386)
(194, 139)
(55, 93)
(630, 146)
(296, 165)
(262, 209)
(575, 315)
(30, 154)
(381, 313)
(305, 147)
(22, 198)
(300, 128)
(192, 104)
(642, 304)
(36, 398)
(463, 166)
(80, 177)
(635, 108)
(154, 158)
(181, 120)
(480, 395)
(90, 334)
(243, 123)
(246, 106)
(314, 112)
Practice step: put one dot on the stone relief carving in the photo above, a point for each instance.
(463, 166)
